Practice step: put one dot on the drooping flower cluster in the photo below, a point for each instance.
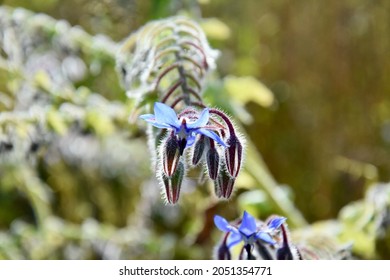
(212, 139)
(260, 240)
(168, 61)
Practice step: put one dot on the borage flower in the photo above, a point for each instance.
(248, 232)
(184, 128)
(260, 239)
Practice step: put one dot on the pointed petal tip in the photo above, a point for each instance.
(221, 223)
(165, 114)
(146, 116)
(246, 216)
(276, 222)
(201, 121)
(248, 223)
(160, 104)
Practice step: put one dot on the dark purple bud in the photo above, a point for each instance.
(224, 184)
(182, 141)
(222, 251)
(182, 145)
(170, 155)
(263, 251)
(212, 163)
(198, 150)
(285, 251)
(248, 250)
(233, 155)
(173, 184)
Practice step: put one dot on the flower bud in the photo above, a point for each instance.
(173, 184)
(182, 145)
(212, 163)
(233, 155)
(248, 250)
(222, 251)
(285, 252)
(170, 155)
(223, 185)
(263, 251)
(198, 150)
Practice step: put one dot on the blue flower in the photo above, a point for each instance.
(275, 222)
(247, 232)
(186, 130)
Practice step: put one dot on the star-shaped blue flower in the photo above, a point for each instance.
(247, 231)
(165, 117)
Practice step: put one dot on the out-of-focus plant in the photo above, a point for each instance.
(360, 231)
(367, 222)
(65, 154)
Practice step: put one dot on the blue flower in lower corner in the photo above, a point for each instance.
(248, 232)
(185, 129)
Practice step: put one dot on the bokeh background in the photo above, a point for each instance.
(76, 183)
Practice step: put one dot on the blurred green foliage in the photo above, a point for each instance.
(75, 179)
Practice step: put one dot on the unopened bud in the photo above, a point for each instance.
(224, 184)
(182, 145)
(173, 184)
(212, 163)
(263, 251)
(286, 251)
(233, 155)
(198, 150)
(170, 155)
(223, 252)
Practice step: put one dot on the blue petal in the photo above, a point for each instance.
(233, 239)
(201, 121)
(265, 237)
(276, 222)
(147, 117)
(222, 224)
(190, 139)
(211, 134)
(248, 224)
(152, 120)
(165, 115)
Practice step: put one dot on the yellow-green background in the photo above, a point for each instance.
(325, 138)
